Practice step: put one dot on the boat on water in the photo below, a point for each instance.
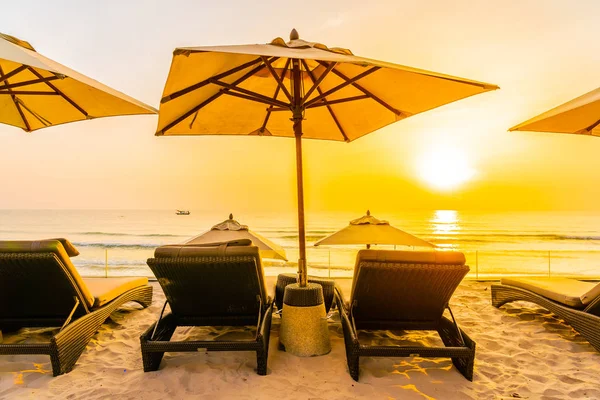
(183, 212)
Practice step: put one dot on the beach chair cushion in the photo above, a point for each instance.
(570, 292)
(49, 246)
(68, 246)
(230, 248)
(104, 290)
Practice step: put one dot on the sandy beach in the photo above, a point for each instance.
(522, 352)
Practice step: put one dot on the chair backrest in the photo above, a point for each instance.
(216, 281)
(403, 289)
(38, 281)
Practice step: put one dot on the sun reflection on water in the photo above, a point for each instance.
(445, 224)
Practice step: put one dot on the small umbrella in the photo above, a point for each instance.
(328, 92)
(37, 92)
(370, 230)
(579, 116)
(230, 229)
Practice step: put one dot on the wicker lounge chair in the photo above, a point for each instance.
(405, 290)
(206, 285)
(576, 302)
(40, 287)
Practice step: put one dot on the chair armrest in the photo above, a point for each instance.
(593, 307)
(265, 322)
(340, 298)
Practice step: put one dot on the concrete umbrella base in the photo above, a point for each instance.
(303, 331)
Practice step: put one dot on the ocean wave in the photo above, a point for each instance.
(129, 234)
(490, 237)
(101, 264)
(129, 246)
(309, 238)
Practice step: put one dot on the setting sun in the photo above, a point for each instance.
(445, 168)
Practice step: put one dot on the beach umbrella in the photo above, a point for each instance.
(230, 229)
(369, 230)
(37, 92)
(296, 89)
(579, 116)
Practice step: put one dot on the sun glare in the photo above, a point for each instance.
(445, 168)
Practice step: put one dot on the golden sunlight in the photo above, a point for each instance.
(445, 168)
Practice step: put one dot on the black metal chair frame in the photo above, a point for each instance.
(156, 340)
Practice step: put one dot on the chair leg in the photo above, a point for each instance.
(351, 343)
(451, 338)
(55, 361)
(261, 361)
(353, 365)
(263, 338)
(68, 345)
(164, 332)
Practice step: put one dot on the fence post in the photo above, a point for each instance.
(476, 265)
(106, 263)
(548, 263)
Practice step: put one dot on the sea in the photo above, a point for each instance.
(118, 242)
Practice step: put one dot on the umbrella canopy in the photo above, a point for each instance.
(579, 116)
(329, 93)
(37, 92)
(370, 230)
(230, 229)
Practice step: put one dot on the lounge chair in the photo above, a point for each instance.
(576, 302)
(40, 287)
(405, 290)
(218, 285)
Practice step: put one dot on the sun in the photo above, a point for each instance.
(445, 168)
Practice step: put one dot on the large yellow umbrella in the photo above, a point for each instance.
(328, 93)
(37, 92)
(579, 116)
(230, 229)
(369, 230)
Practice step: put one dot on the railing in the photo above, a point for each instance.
(485, 264)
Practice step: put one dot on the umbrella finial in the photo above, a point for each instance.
(230, 216)
(368, 212)
(294, 35)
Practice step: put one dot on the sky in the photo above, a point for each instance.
(541, 53)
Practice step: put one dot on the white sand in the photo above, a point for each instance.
(522, 352)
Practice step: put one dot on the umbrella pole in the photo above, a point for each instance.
(302, 273)
(297, 118)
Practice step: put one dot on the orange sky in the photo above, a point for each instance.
(541, 53)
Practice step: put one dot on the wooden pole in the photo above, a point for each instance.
(297, 118)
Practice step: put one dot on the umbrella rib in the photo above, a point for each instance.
(338, 101)
(279, 81)
(207, 81)
(326, 103)
(31, 82)
(28, 92)
(250, 93)
(365, 91)
(59, 92)
(277, 89)
(233, 93)
(12, 73)
(14, 98)
(318, 81)
(210, 99)
(590, 128)
(347, 81)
